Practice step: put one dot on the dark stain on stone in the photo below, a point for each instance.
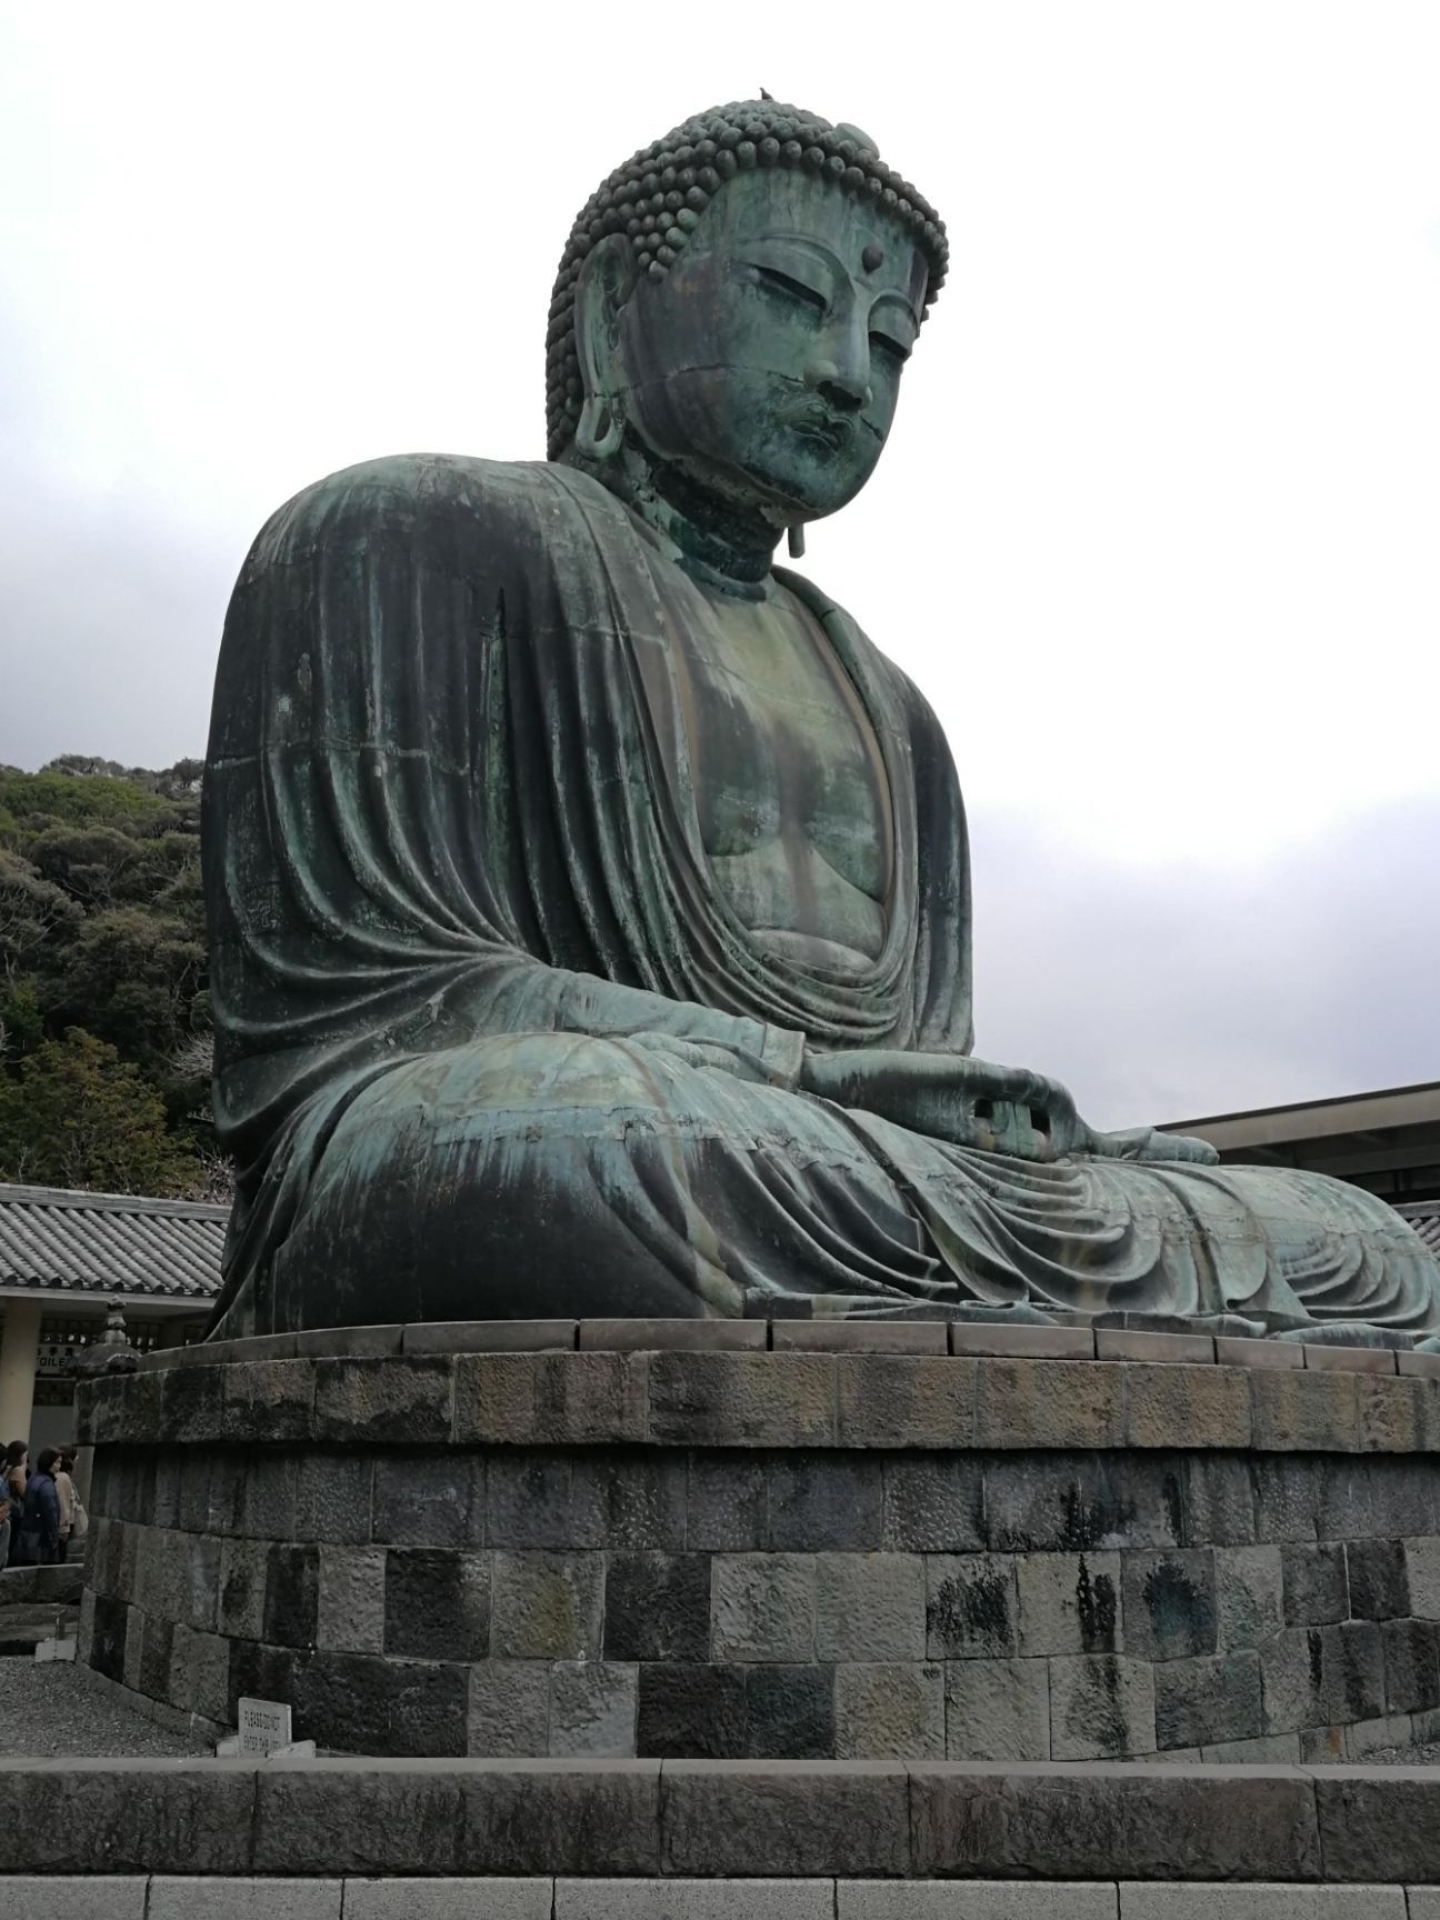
(1097, 1712)
(1316, 1642)
(1174, 1506)
(1096, 1602)
(1088, 1522)
(974, 1614)
(1179, 1610)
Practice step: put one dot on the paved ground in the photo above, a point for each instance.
(51, 1711)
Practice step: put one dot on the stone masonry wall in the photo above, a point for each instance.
(856, 1556)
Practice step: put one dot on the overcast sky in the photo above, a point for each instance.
(1157, 529)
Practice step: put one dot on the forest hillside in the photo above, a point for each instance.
(105, 1047)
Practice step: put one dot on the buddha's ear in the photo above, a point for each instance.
(604, 286)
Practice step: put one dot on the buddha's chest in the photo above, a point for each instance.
(788, 777)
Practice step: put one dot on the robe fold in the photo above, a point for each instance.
(491, 1043)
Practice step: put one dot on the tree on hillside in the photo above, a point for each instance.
(77, 1115)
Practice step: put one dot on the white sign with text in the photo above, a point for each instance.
(264, 1726)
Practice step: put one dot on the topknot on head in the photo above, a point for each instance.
(657, 197)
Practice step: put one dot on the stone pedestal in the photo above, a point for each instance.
(735, 1540)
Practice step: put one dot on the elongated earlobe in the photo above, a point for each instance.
(600, 428)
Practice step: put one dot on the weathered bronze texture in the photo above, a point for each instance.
(590, 900)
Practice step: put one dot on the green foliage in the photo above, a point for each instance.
(77, 1115)
(102, 946)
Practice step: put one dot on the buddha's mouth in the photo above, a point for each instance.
(822, 428)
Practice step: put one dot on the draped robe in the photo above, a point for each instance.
(490, 1041)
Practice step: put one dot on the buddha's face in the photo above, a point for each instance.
(767, 362)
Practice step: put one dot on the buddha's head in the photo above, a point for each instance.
(739, 301)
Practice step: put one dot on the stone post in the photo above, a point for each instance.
(19, 1353)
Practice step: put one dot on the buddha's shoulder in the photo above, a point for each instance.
(485, 504)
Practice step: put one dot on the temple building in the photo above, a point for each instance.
(64, 1257)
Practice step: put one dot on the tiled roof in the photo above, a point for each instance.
(110, 1243)
(1424, 1217)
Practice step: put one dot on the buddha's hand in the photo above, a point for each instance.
(1158, 1149)
(946, 1096)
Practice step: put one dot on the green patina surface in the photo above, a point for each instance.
(590, 899)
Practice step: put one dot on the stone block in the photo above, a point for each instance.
(382, 1402)
(824, 1503)
(1321, 1746)
(1288, 1495)
(1379, 1589)
(1200, 1702)
(1169, 1349)
(183, 1898)
(1203, 1406)
(763, 1607)
(726, 1503)
(202, 1580)
(1075, 1503)
(1305, 1412)
(1365, 1737)
(677, 1899)
(489, 1336)
(156, 1645)
(786, 1819)
(1285, 1356)
(260, 1672)
(528, 1500)
(552, 1399)
(900, 1400)
(629, 1500)
(132, 1673)
(933, 1503)
(1249, 1596)
(1316, 1588)
(673, 1336)
(1269, 1750)
(1422, 1574)
(268, 1497)
(1068, 1603)
(889, 1712)
(1404, 1498)
(593, 1706)
(292, 1595)
(332, 1498)
(108, 1637)
(1411, 1652)
(1392, 1414)
(1172, 1902)
(509, 1709)
(454, 1899)
(1424, 1366)
(572, 1817)
(349, 1343)
(742, 1399)
(1112, 1823)
(970, 1607)
(688, 1712)
(790, 1712)
(997, 1710)
(975, 1900)
(1380, 1824)
(128, 1408)
(861, 1336)
(870, 1606)
(1345, 1507)
(657, 1606)
(190, 1412)
(1337, 1359)
(264, 1401)
(356, 1703)
(356, 1817)
(110, 1896)
(1170, 1605)
(350, 1615)
(547, 1606)
(993, 1338)
(1050, 1403)
(200, 1673)
(1102, 1707)
(126, 1817)
(437, 1604)
(1323, 1676)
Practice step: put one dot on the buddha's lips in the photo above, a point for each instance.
(818, 423)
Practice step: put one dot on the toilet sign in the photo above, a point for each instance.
(264, 1726)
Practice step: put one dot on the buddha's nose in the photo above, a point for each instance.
(845, 388)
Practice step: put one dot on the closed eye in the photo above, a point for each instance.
(796, 289)
(891, 348)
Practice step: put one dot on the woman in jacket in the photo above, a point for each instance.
(40, 1523)
(12, 1490)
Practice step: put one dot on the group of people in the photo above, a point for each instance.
(40, 1512)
